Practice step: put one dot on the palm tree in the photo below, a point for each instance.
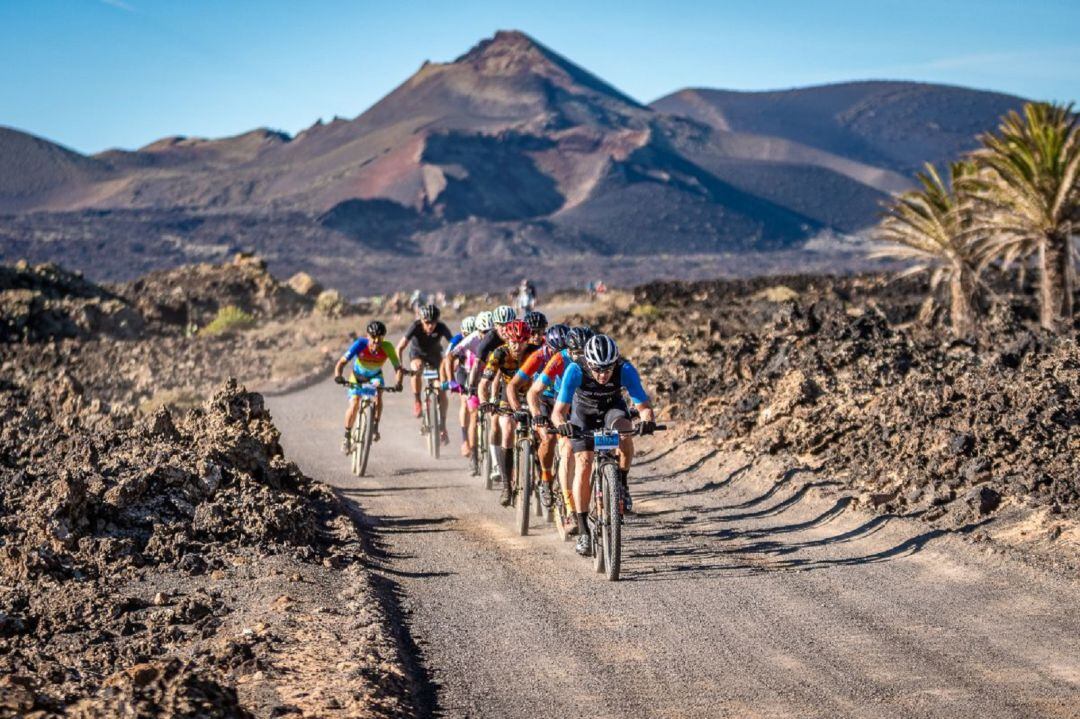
(930, 226)
(1027, 199)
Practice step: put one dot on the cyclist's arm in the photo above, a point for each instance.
(391, 354)
(339, 367)
(631, 381)
(533, 397)
(354, 349)
(409, 333)
(570, 383)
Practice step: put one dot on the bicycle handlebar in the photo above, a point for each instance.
(354, 385)
(576, 433)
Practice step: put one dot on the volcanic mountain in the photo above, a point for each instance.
(512, 150)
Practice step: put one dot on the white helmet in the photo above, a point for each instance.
(468, 325)
(503, 314)
(483, 321)
(601, 352)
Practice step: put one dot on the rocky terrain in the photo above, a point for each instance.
(509, 151)
(158, 562)
(838, 373)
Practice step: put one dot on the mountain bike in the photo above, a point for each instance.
(362, 427)
(431, 416)
(606, 512)
(560, 513)
(525, 491)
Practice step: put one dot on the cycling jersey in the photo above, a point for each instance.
(552, 375)
(533, 367)
(491, 341)
(367, 358)
(580, 388)
(454, 341)
(503, 362)
(424, 345)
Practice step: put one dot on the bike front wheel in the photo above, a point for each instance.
(365, 437)
(612, 526)
(523, 468)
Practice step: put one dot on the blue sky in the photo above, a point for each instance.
(95, 74)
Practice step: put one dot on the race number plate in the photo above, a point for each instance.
(431, 374)
(368, 390)
(605, 441)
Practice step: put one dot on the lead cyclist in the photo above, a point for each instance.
(590, 399)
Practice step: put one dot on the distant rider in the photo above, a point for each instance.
(368, 355)
(424, 337)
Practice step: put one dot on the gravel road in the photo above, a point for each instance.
(750, 589)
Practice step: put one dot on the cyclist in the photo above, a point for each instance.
(424, 337)
(501, 316)
(548, 384)
(461, 359)
(540, 403)
(457, 379)
(503, 365)
(537, 322)
(590, 398)
(368, 354)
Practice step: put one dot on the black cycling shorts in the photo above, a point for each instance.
(547, 405)
(432, 360)
(592, 421)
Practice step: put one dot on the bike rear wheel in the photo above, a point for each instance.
(612, 527)
(523, 469)
(365, 437)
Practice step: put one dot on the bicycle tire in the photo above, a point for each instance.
(485, 452)
(613, 524)
(431, 438)
(523, 469)
(354, 440)
(436, 425)
(596, 519)
(365, 436)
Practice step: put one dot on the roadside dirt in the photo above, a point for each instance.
(838, 371)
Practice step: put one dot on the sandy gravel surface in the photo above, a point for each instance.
(751, 588)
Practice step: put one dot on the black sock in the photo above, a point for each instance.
(582, 522)
(508, 458)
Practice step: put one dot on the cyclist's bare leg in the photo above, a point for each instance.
(444, 405)
(350, 412)
(546, 453)
(626, 444)
(566, 472)
(378, 405)
(583, 462)
(417, 366)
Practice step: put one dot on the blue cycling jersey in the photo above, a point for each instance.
(629, 380)
(454, 341)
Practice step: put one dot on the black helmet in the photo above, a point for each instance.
(376, 329)
(556, 337)
(577, 337)
(537, 321)
(429, 313)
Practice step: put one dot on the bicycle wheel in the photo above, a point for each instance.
(365, 436)
(432, 440)
(523, 470)
(436, 424)
(596, 521)
(485, 452)
(355, 434)
(559, 509)
(613, 522)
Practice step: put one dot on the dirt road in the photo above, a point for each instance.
(746, 593)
